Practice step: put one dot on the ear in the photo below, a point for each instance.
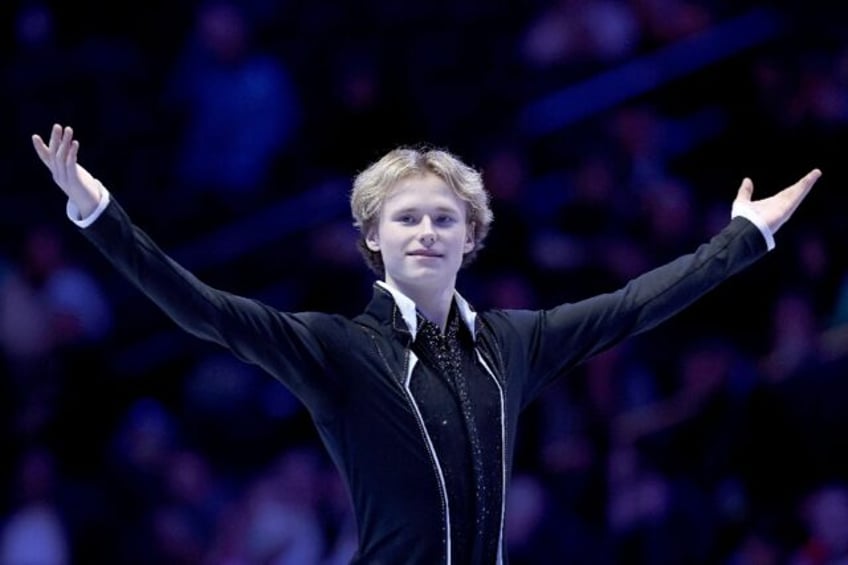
(372, 240)
(469, 238)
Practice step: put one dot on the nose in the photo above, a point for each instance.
(427, 235)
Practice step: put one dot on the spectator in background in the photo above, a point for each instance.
(76, 303)
(35, 532)
(357, 101)
(52, 310)
(665, 21)
(239, 107)
(569, 31)
(757, 547)
(146, 441)
(50, 302)
(276, 520)
(38, 69)
(505, 168)
(183, 523)
(795, 337)
(825, 515)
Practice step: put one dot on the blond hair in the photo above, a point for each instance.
(373, 185)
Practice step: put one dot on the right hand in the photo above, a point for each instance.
(60, 156)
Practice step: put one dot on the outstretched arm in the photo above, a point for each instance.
(287, 345)
(60, 156)
(564, 336)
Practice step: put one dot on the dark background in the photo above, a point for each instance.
(613, 136)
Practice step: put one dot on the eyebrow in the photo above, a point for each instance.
(416, 209)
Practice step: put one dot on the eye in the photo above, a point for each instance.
(445, 219)
(407, 219)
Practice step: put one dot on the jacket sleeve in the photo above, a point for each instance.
(285, 345)
(548, 343)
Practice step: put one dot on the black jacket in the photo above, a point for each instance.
(354, 375)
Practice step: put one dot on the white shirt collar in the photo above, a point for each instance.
(410, 312)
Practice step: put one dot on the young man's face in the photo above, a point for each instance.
(422, 235)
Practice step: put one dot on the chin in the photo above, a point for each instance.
(426, 277)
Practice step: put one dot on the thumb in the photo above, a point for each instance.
(745, 191)
(41, 149)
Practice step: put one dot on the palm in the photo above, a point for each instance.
(776, 209)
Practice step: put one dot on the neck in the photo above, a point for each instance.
(437, 311)
(435, 306)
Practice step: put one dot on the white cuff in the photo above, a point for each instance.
(747, 212)
(74, 213)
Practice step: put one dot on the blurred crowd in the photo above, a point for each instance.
(716, 438)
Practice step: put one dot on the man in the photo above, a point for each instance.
(417, 399)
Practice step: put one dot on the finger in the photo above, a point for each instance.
(799, 190)
(60, 167)
(71, 160)
(68, 135)
(55, 138)
(64, 145)
(811, 178)
(746, 189)
(41, 149)
(795, 194)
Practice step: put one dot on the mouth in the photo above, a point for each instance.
(424, 253)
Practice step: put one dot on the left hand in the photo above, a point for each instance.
(775, 210)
